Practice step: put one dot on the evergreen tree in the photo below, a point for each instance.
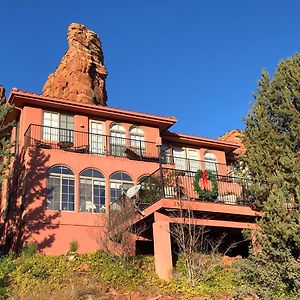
(5, 133)
(272, 140)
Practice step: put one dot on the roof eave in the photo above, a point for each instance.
(200, 141)
(163, 123)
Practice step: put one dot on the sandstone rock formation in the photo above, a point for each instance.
(81, 74)
(234, 136)
(2, 94)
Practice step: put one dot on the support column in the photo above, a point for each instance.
(162, 249)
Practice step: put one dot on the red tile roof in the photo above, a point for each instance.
(94, 106)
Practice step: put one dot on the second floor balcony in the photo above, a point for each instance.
(46, 137)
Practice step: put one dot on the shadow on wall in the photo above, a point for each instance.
(23, 217)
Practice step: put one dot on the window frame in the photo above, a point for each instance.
(58, 132)
(171, 158)
(93, 179)
(121, 182)
(138, 144)
(208, 162)
(117, 143)
(60, 177)
(95, 149)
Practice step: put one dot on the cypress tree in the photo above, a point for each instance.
(272, 140)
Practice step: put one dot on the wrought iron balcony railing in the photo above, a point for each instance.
(179, 184)
(193, 165)
(47, 137)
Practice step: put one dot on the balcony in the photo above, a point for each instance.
(46, 137)
(193, 165)
(179, 184)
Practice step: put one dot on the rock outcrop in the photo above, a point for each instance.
(81, 74)
(234, 136)
(2, 94)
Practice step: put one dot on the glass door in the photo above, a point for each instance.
(97, 143)
(179, 158)
(51, 126)
(193, 160)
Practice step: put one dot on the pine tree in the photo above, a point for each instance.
(272, 140)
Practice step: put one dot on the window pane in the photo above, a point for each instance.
(60, 189)
(117, 140)
(53, 195)
(65, 170)
(117, 176)
(210, 162)
(193, 160)
(87, 173)
(119, 182)
(91, 191)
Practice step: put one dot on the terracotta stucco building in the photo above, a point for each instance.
(74, 161)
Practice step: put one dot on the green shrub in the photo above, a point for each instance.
(6, 267)
(30, 277)
(30, 249)
(116, 272)
(73, 247)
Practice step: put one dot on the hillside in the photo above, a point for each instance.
(101, 276)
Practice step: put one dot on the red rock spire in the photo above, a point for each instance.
(81, 74)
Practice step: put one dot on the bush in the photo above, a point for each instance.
(73, 247)
(44, 277)
(30, 249)
(7, 265)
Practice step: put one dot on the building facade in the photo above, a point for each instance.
(74, 162)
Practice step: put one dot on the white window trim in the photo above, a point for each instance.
(60, 191)
(102, 180)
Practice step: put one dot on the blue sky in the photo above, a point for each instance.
(196, 60)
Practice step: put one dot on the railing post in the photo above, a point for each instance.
(161, 175)
(107, 142)
(141, 154)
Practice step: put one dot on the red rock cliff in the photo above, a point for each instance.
(81, 74)
(234, 136)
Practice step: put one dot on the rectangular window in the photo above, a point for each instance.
(179, 158)
(97, 139)
(193, 160)
(184, 158)
(58, 127)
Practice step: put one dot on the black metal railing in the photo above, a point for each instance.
(179, 184)
(47, 137)
(194, 165)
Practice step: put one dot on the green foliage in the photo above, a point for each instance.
(73, 247)
(214, 279)
(5, 142)
(30, 249)
(150, 189)
(272, 139)
(115, 271)
(6, 267)
(51, 277)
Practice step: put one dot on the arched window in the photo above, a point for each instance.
(117, 140)
(92, 191)
(119, 182)
(210, 162)
(137, 140)
(60, 186)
